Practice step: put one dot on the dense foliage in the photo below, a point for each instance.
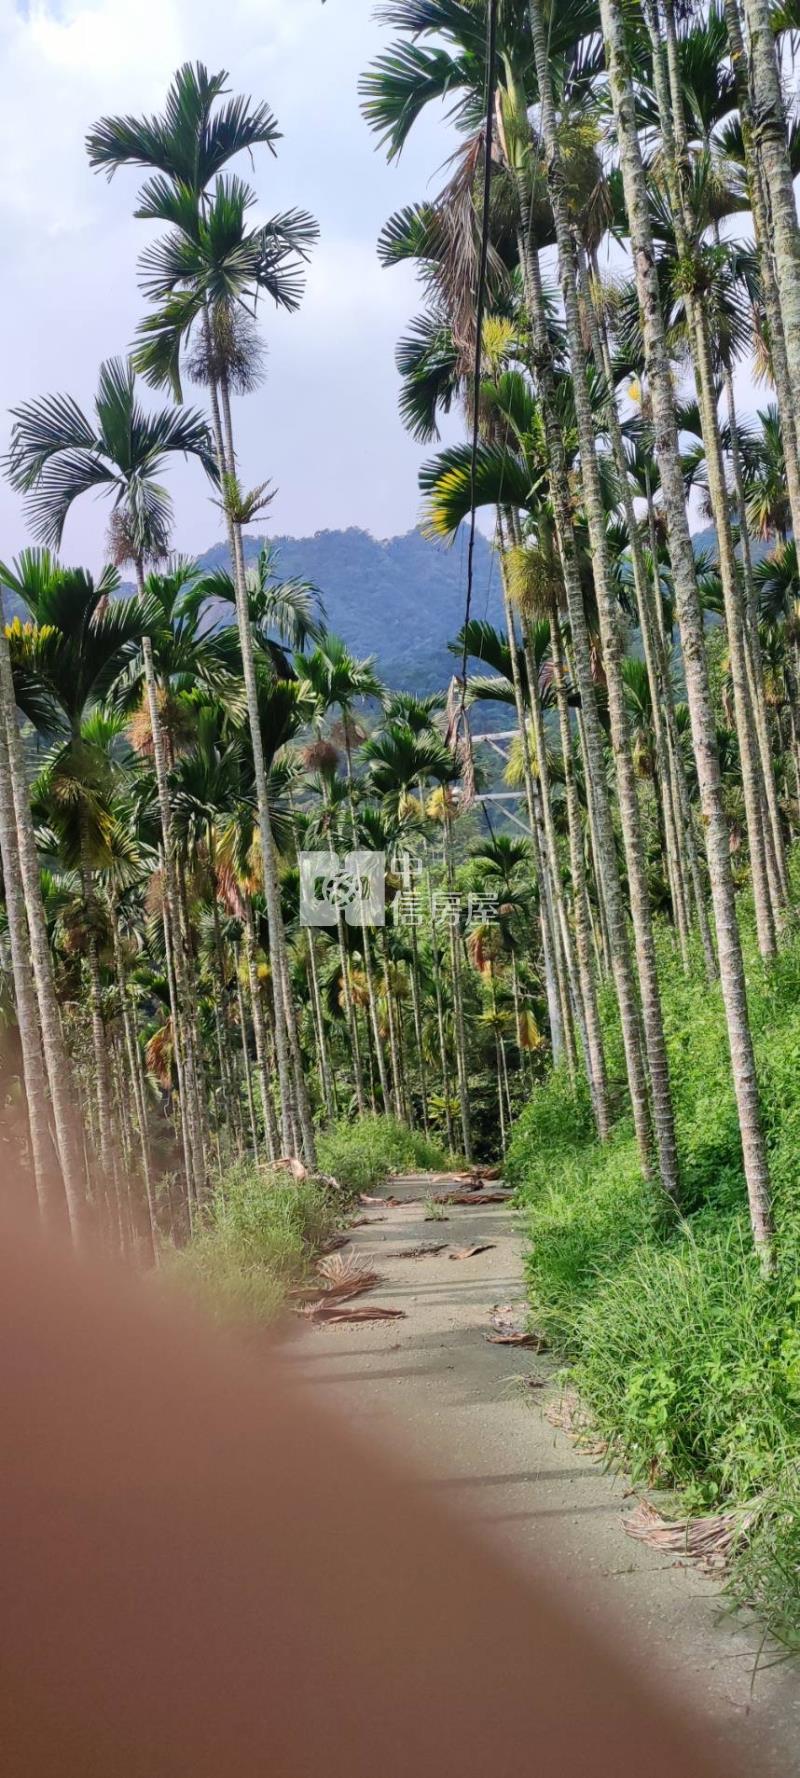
(366, 1153)
(258, 1237)
(399, 599)
(688, 1358)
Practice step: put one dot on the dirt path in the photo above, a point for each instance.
(431, 1387)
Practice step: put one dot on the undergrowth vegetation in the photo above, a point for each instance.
(257, 1237)
(687, 1356)
(362, 1152)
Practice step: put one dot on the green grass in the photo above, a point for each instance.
(364, 1153)
(257, 1238)
(687, 1357)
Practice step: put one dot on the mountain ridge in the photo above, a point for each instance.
(400, 599)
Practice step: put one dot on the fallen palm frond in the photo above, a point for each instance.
(475, 1176)
(474, 1197)
(289, 1163)
(522, 1385)
(393, 1203)
(340, 1277)
(344, 1275)
(330, 1312)
(423, 1251)
(569, 1415)
(508, 1322)
(708, 1540)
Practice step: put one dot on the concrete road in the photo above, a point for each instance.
(463, 1413)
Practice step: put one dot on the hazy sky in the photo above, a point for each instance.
(325, 427)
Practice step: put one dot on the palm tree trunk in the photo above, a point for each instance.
(136, 1085)
(285, 1043)
(598, 1077)
(760, 210)
(673, 739)
(248, 1079)
(57, 1063)
(558, 949)
(401, 1055)
(768, 119)
(658, 680)
(186, 1140)
(102, 1083)
(630, 818)
(605, 958)
(368, 970)
(183, 1019)
(350, 1014)
(271, 1134)
(791, 683)
(227, 1072)
(752, 640)
(322, 1046)
(596, 789)
(437, 982)
(300, 1098)
(499, 1079)
(416, 1000)
(731, 963)
(48, 1188)
(595, 1066)
(394, 1055)
(556, 1002)
(764, 876)
(458, 1004)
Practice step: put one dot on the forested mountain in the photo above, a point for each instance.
(400, 599)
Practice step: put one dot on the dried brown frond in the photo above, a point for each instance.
(454, 247)
(425, 1250)
(342, 1270)
(329, 1312)
(177, 721)
(233, 349)
(484, 947)
(458, 738)
(347, 732)
(158, 1054)
(229, 891)
(122, 543)
(475, 1199)
(321, 756)
(569, 1415)
(708, 1540)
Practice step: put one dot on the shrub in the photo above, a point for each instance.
(256, 1238)
(583, 1220)
(363, 1153)
(555, 1125)
(766, 1564)
(682, 1356)
(688, 1359)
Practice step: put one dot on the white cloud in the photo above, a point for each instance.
(70, 244)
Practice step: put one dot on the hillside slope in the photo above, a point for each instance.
(401, 600)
